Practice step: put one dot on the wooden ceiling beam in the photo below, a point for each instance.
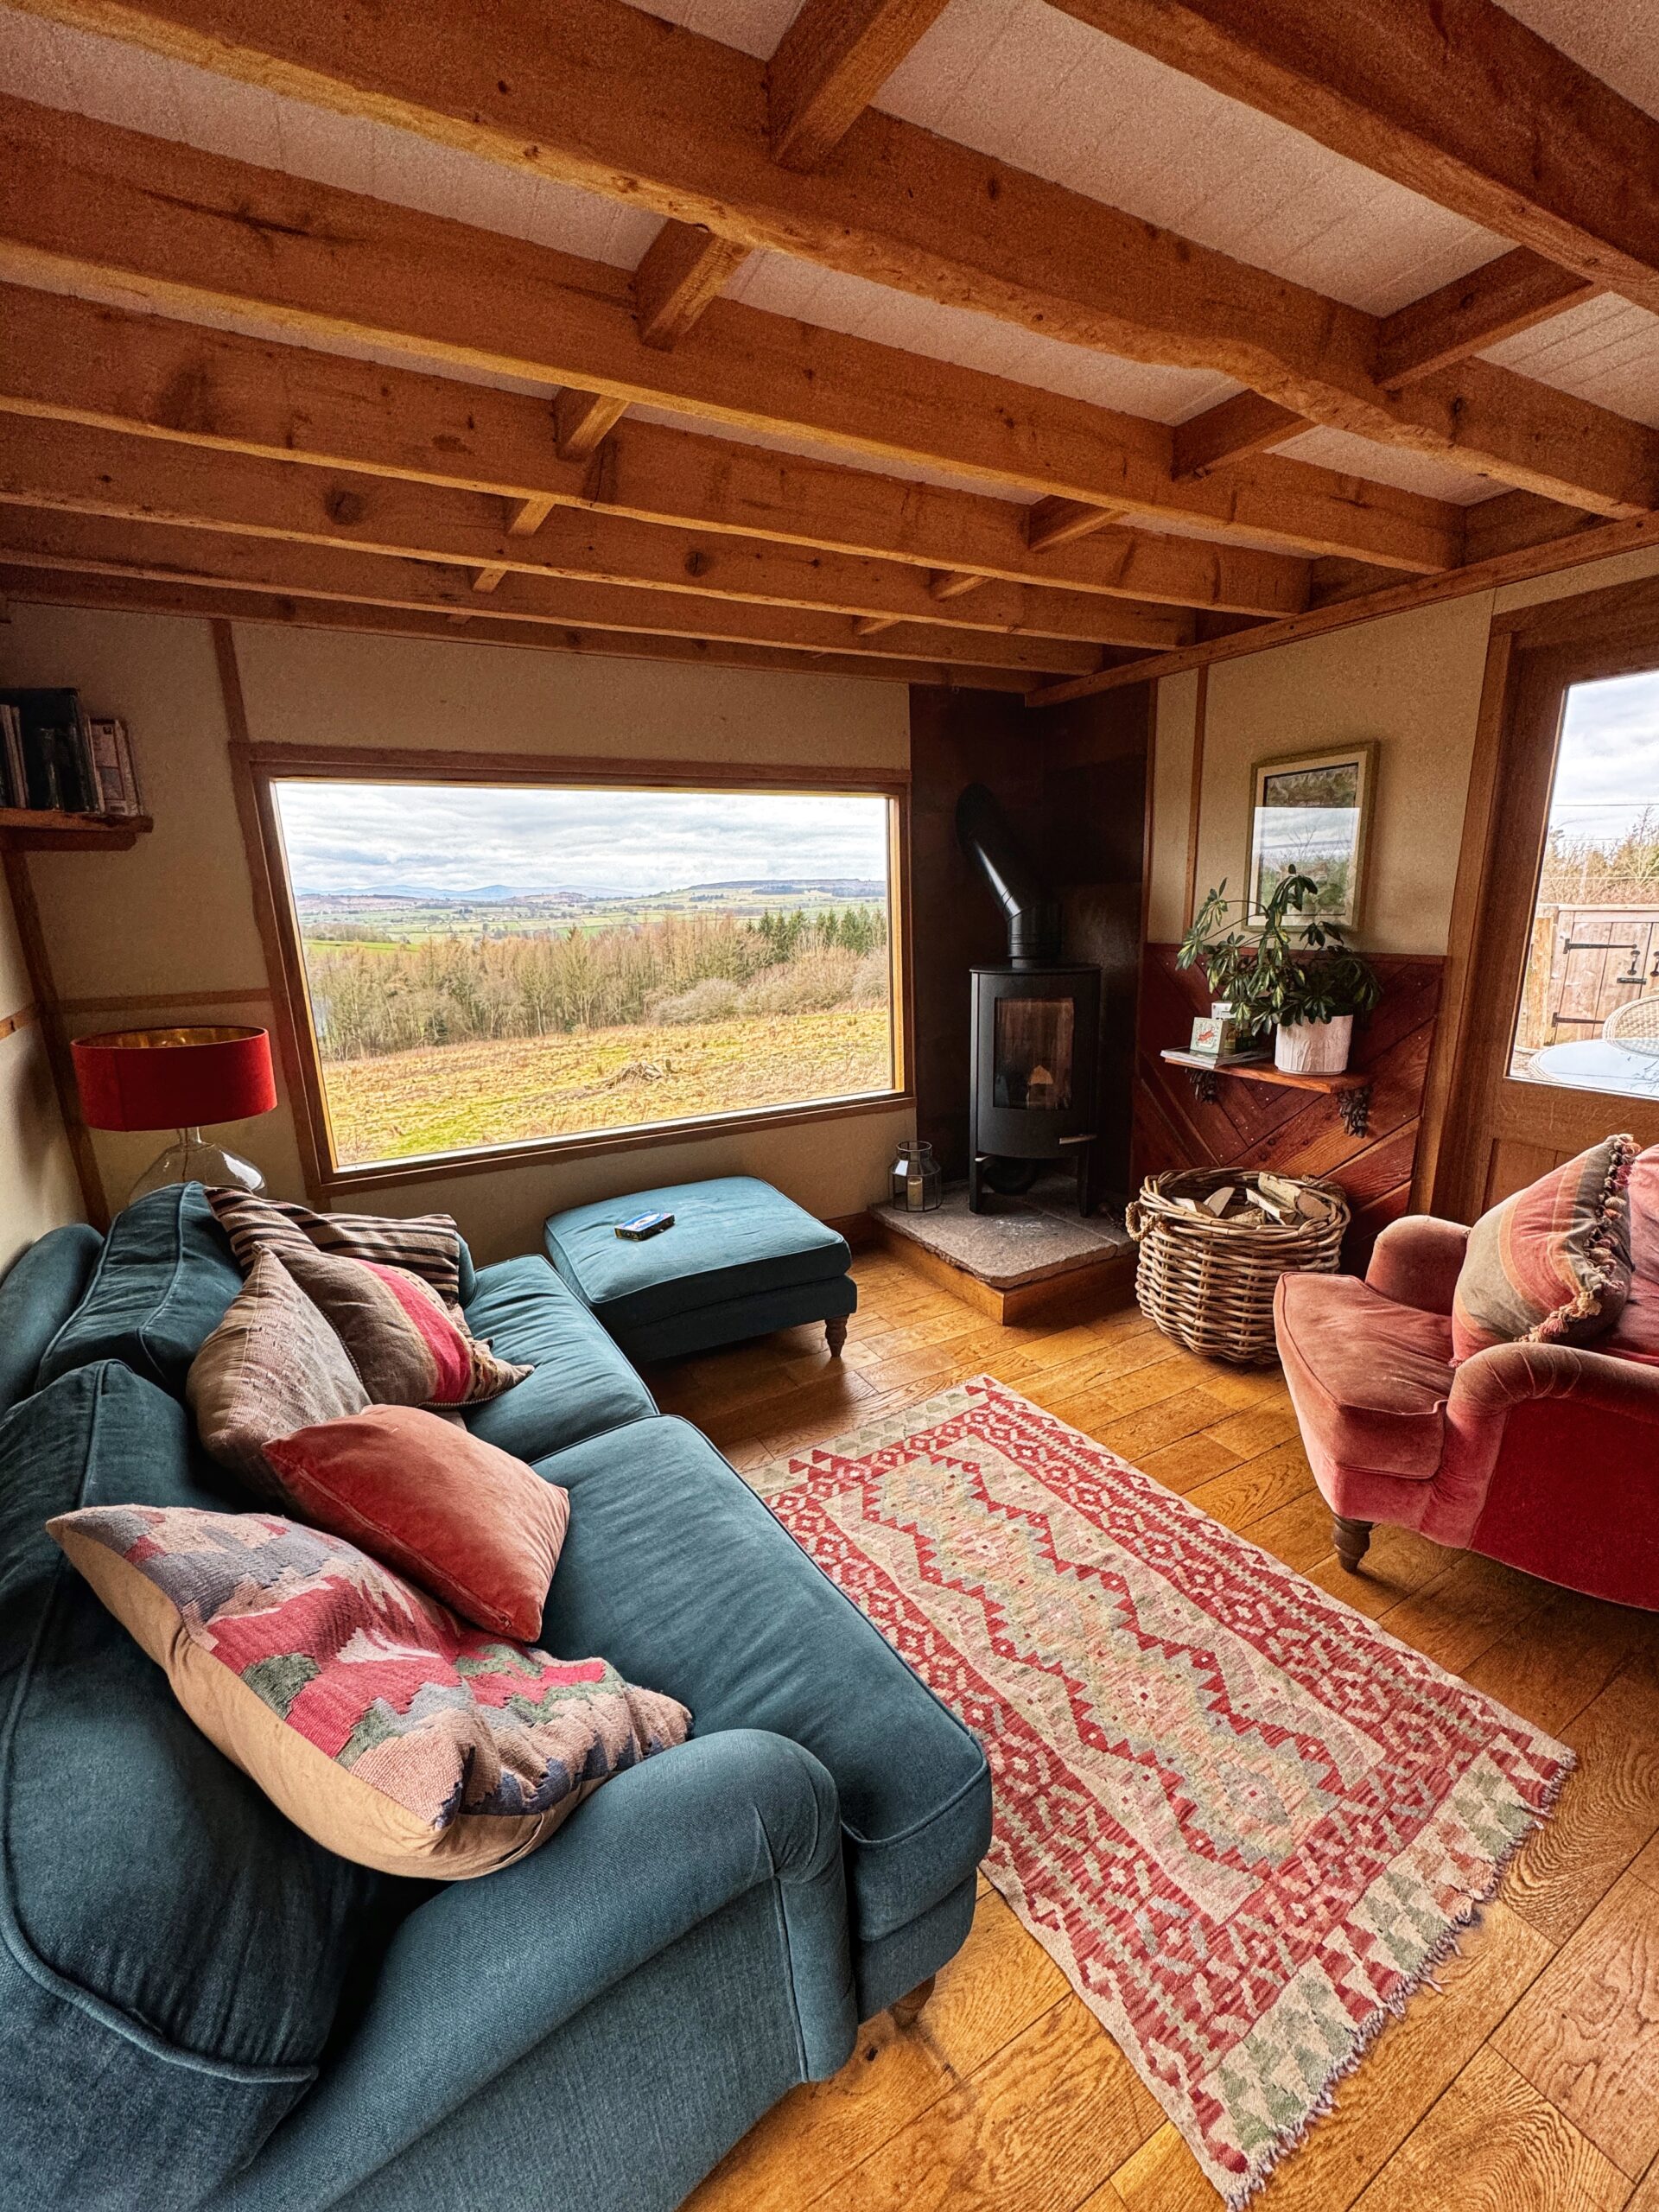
(684, 270)
(607, 98)
(1244, 423)
(113, 214)
(66, 587)
(67, 360)
(583, 420)
(1456, 99)
(1492, 303)
(92, 545)
(69, 469)
(1062, 522)
(831, 64)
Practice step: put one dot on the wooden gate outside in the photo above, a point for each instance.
(1585, 962)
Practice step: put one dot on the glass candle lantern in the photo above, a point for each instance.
(917, 1185)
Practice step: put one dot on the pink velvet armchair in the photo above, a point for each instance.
(1543, 1455)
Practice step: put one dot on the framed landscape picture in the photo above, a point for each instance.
(1310, 815)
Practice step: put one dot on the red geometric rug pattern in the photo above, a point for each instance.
(1244, 1820)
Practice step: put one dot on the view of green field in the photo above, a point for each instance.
(445, 1025)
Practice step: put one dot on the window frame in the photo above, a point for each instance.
(258, 768)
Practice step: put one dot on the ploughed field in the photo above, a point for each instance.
(456, 1097)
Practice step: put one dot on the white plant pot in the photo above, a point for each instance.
(1313, 1047)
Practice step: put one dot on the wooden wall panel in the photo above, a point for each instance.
(1297, 1133)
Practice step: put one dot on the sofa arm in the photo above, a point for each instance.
(484, 1971)
(1416, 1262)
(1496, 1381)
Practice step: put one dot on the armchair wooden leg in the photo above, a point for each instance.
(1351, 1539)
(906, 2011)
(834, 1335)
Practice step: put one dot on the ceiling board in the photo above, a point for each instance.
(1615, 40)
(1410, 471)
(1606, 351)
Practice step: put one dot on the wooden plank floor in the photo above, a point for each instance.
(1526, 2081)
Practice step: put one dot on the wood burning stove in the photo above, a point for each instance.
(1036, 1027)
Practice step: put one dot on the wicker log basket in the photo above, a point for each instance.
(1209, 1282)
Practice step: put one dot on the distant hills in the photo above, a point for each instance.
(779, 891)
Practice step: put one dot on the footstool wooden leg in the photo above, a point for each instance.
(1351, 1539)
(834, 1335)
(907, 2011)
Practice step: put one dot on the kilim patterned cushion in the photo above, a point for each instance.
(427, 1244)
(1552, 1263)
(363, 1708)
(407, 1339)
(273, 1365)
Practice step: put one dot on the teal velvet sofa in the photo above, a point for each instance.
(202, 2008)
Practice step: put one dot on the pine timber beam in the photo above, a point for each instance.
(605, 96)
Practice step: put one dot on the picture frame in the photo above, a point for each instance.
(1311, 811)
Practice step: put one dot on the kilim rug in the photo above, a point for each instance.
(1245, 1822)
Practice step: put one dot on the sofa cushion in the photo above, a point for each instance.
(427, 1244)
(465, 1520)
(732, 1235)
(1551, 1264)
(162, 1285)
(677, 1573)
(146, 1880)
(580, 1383)
(42, 1289)
(1369, 1379)
(382, 1725)
(272, 1365)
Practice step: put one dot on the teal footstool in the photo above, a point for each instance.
(740, 1260)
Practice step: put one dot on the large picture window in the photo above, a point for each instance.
(484, 966)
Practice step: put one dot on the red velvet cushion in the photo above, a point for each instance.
(1551, 1264)
(470, 1523)
(1369, 1379)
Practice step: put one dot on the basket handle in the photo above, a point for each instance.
(1133, 1220)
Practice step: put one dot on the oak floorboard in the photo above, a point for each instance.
(1038, 2128)
(1299, 1533)
(1258, 1488)
(1586, 2033)
(1188, 1462)
(1491, 2144)
(1550, 1669)
(1467, 1607)
(1608, 1814)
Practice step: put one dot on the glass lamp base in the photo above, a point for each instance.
(193, 1160)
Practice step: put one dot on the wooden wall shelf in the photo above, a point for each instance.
(25, 830)
(1351, 1089)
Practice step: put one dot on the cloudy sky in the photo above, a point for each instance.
(1608, 773)
(394, 836)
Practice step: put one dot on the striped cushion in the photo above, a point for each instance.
(427, 1244)
(382, 1286)
(1552, 1263)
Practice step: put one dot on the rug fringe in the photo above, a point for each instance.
(1292, 2138)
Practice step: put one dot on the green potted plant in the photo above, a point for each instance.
(1301, 980)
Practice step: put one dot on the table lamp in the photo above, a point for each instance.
(178, 1079)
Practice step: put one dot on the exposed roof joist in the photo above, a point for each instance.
(64, 359)
(149, 594)
(606, 97)
(63, 468)
(1456, 99)
(116, 215)
(92, 545)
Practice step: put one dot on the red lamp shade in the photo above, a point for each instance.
(173, 1079)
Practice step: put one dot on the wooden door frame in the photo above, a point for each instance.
(1534, 655)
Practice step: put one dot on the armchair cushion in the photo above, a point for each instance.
(1370, 1378)
(1551, 1264)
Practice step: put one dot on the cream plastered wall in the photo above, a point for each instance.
(38, 1189)
(1412, 682)
(168, 931)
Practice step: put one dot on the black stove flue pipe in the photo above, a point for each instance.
(984, 833)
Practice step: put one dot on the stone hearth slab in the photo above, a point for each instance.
(1014, 1242)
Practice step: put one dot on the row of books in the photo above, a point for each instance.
(56, 758)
